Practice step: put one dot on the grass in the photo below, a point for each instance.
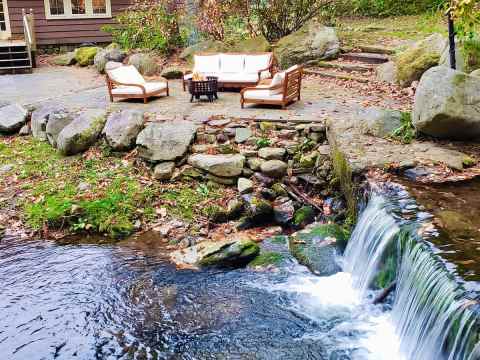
(118, 196)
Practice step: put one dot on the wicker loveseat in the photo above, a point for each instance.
(234, 70)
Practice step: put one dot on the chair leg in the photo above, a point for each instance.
(145, 100)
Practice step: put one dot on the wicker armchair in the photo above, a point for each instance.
(284, 89)
(126, 82)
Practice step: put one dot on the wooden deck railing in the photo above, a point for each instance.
(29, 34)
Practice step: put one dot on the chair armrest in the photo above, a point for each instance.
(144, 91)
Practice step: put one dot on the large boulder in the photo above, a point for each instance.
(252, 45)
(84, 56)
(145, 63)
(108, 54)
(219, 165)
(82, 132)
(66, 59)
(313, 41)
(317, 248)
(227, 253)
(57, 121)
(12, 118)
(122, 129)
(40, 118)
(203, 46)
(166, 141)
(423, 55)
(379, 122)
(447, 104)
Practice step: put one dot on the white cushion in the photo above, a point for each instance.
(207, 63)
(265, 75)
(239, 77)
(150, 87)
(255, 63)
(232, 63)
(127, 75)
(261, 95)
(277, 80)
(291, 68)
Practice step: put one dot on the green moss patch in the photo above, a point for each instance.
(266, 258)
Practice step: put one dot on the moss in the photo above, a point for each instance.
(413, 63)
(303, 216)
(85, 55)
(279, 190)
(459, 79)
(267, 126)
(468, 161)
(344, 177)
(265, 259)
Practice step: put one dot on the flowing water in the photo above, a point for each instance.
(126, 301)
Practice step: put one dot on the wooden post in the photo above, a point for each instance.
(31, 24)
(451, 38)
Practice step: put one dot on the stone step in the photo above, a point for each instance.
(349, 67)
(336, 76)
(367, 58)
(377, 49)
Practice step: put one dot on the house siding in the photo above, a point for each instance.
(61, 31)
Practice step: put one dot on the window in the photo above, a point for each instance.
(71, 9)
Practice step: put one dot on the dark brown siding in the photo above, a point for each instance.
(70, 31)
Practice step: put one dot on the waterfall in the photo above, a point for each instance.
(431, 315)
(374, 232)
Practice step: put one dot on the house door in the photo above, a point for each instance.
(4, 22)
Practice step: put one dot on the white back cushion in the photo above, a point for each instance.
(277, 80)
(255, 63)
(207, 63)
(291, 68)
(232, 63)
(126, 75)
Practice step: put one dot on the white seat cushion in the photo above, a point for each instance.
(207, 63)
(232, 63)
(261, 95)
(150, 87)
(239, 77)
(255, 63)
(126, 75)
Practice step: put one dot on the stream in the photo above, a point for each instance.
(127, 301)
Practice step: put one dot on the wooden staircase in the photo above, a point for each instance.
(15, 56)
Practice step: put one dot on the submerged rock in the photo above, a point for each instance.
(12, 118)
(165, 141)
(233, 252)
(82, 132)
(447, 104)
(122, 129)
(318, 247)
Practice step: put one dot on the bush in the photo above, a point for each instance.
(386, 7)
(149, 24)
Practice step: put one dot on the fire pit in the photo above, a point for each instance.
(206, 88)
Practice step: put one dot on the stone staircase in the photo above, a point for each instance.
(15, 57)
(357, 66)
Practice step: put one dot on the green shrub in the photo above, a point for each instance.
(406, 132)
(471, 54)
(386, 7)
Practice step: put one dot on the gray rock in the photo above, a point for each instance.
(122, 128)
(6, 168)
(283, 210)
(447, 104)
(66, 59)
(378, 122)
(40, 119)
(57, 121)
(227, 253)
(312, 41)
(145, 63)
(82, 132)
(164, 170)
(244, 186)
(12, 118)
(221, 180)
(165, 141)
(274, 168)
(83, 186)
(271, 153)
(25, 130)
(318, 247)
(108, 54)
(387, 72)
(218, 165)
(242, 135)
(254, 163)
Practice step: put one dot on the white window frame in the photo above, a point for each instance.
(67, 7)
(5, 34)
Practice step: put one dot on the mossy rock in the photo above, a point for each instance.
(145, 63)
(235, 254)
(203, 46)
(266, 258)
(318, 247)
(172, 73)
(304, 216)
(415, 61)
(252, 45)
(84, 56)
(66, 59)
